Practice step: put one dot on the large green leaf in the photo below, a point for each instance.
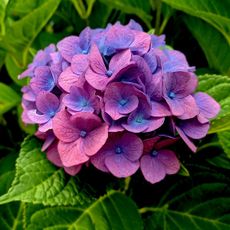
(200, 202)
(137, 7)
(218, 87)
(224, 138)
(113, 211)
(21, 34)
(214, 12)
(3, 6)
(38, 181)
(212, 42)
(8, 98)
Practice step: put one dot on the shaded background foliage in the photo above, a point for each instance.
(37, 195)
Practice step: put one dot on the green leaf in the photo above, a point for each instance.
(39, 182)
(81, 9)
(113, 211)
(216, 48)
(220, 161)
(21, 34)
(13, 71)
(199, 202)
(11, 216)
(183, 170)
(137, 7)
(218, 87)
(214, 12)
(8, 98)
(7, 172)
(3, 6)
(224, 138)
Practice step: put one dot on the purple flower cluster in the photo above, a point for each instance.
(110, 97)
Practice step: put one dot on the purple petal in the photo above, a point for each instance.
(43, 80)
(37, 118)
(181, 84)
(190, 108)
(188, 142)
(169, 160)
(68, 47)
(194, 129)
(120, 166)
(209, 108)
(132, 146)
(152, 169)
(160, 109)
(47, 103)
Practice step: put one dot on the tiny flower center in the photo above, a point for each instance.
(118, 150)
(154, 153)
(139, 119)
(83, 133)
(84, 102)
(123, 102)
(84, 51)
(172, 95)
(109, 73)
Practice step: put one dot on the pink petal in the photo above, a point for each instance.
(53, 155)
(92, 143)
(176, 106)
(154, 123)
(79, 64)
(120, 166)
(63, 128)
(98, 160)
(97, 81)
(68, 79)
(160, 109)
(169, 160)
(46, 126)
(96, 61)
(120, 60)
(70, 154)
(73, 170)
(141, 43)
(152, 169)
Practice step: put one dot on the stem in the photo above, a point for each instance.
(149, 209)
(158, 16)
(163, 25)
(127, 183)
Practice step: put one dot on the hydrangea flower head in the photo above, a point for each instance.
(95, 97)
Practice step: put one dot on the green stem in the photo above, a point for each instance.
(127, 183)
(149, 209)
(163, 25)
(158, 17)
